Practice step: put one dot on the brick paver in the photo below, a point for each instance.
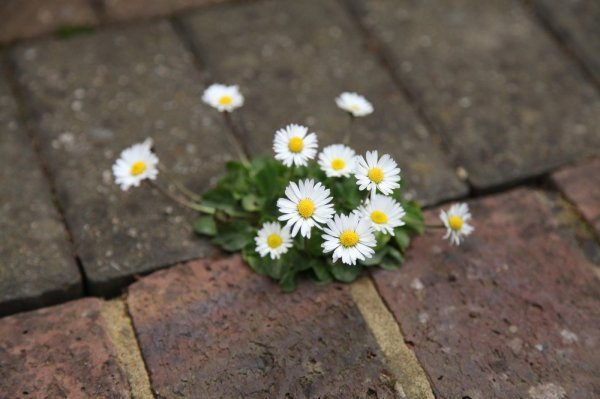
(216, 329)
(292, 59)
(515, 312)
(92, 96)
(576, 23)
(60, 352)
(37, 266)
(507, 98)
(581, 185)
(28, 18)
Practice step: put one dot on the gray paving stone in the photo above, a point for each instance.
(292, 59)
(94, 95)
(576, 23)
(37, 266)
(509, 101)
(134, 9)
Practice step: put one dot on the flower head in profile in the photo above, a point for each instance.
(384, 212)
(135, 164)
(455, 220)
(308, 204)
(293, 145)
(354, 103)
(350, 237)
(273, 240)
(374, 173)
(337, 160)
(222, 97)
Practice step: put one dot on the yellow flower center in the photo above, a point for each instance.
(376, 175)
(379, 217)
(455, 222)
(338, 164)
(306, 208)
(355, 107)
(349, 238)
(225, 100)
(138, 168)
(274, 241)
(296, 144)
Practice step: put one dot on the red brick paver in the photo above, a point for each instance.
(216, 329)
(581, 185)
(513, 313)
(60, 352)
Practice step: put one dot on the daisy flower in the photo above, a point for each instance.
(135, 164)
(384, 212)
(455, 221)
(308, 204)
(293, 145)
(337, 160)
(373, 173)
(354, 103)
(222, 97)
(350, 237)
(273, 240)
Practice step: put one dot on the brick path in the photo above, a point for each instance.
(499, 98)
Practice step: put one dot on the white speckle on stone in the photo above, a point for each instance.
(399, 390)
(423, 317)
(417, 285)
(79, 93)
(568, 337)
(106, 177)
(30, 54)
(515, 345)
(464, 102)
(76, 105)
(513, 329)
(547, 391)
(539, 347)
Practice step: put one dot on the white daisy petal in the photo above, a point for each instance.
(293, 146)
(273, 240)
(350, 238)
(223, 98)
(384, 213)
(135, 164)
(354, 103)
(337, 160)
(308, 205)
(455, 221)
(373, 173)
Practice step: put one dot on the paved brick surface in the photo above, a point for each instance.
(37, 266)
(27, 18)
(292, 59)
(93, 95)
(135, 9)
(216, 329)
(59, 352)
(576, 23)
(504, 94)
(581, 185)
(515, 312)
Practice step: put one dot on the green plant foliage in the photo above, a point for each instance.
(246, 197)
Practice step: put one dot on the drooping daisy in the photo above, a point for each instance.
(455, 221)
(354, 103)
(222, 97)
(373, 173)
(135, 164)
(337, 160)
(384, 212)
(292, 145)
(308, 204)
(350, 237)
(273, 240)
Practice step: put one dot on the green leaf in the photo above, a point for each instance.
(288, 282)
(253, 259)
(382, 240)
(346, 193)
(313, 247)
(345, 273)
(414, 217)
(402, 238)
(376, 258)
(251, 203)
(222, 199)
(321, 271)
(234, 235)
(205, 225)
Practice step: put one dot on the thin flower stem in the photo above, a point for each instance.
(177, 199)
(435, 226)
(180, 186)
(348, 134)
(237, 139)
(305, 244)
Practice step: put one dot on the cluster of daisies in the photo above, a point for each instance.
(308, 204)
